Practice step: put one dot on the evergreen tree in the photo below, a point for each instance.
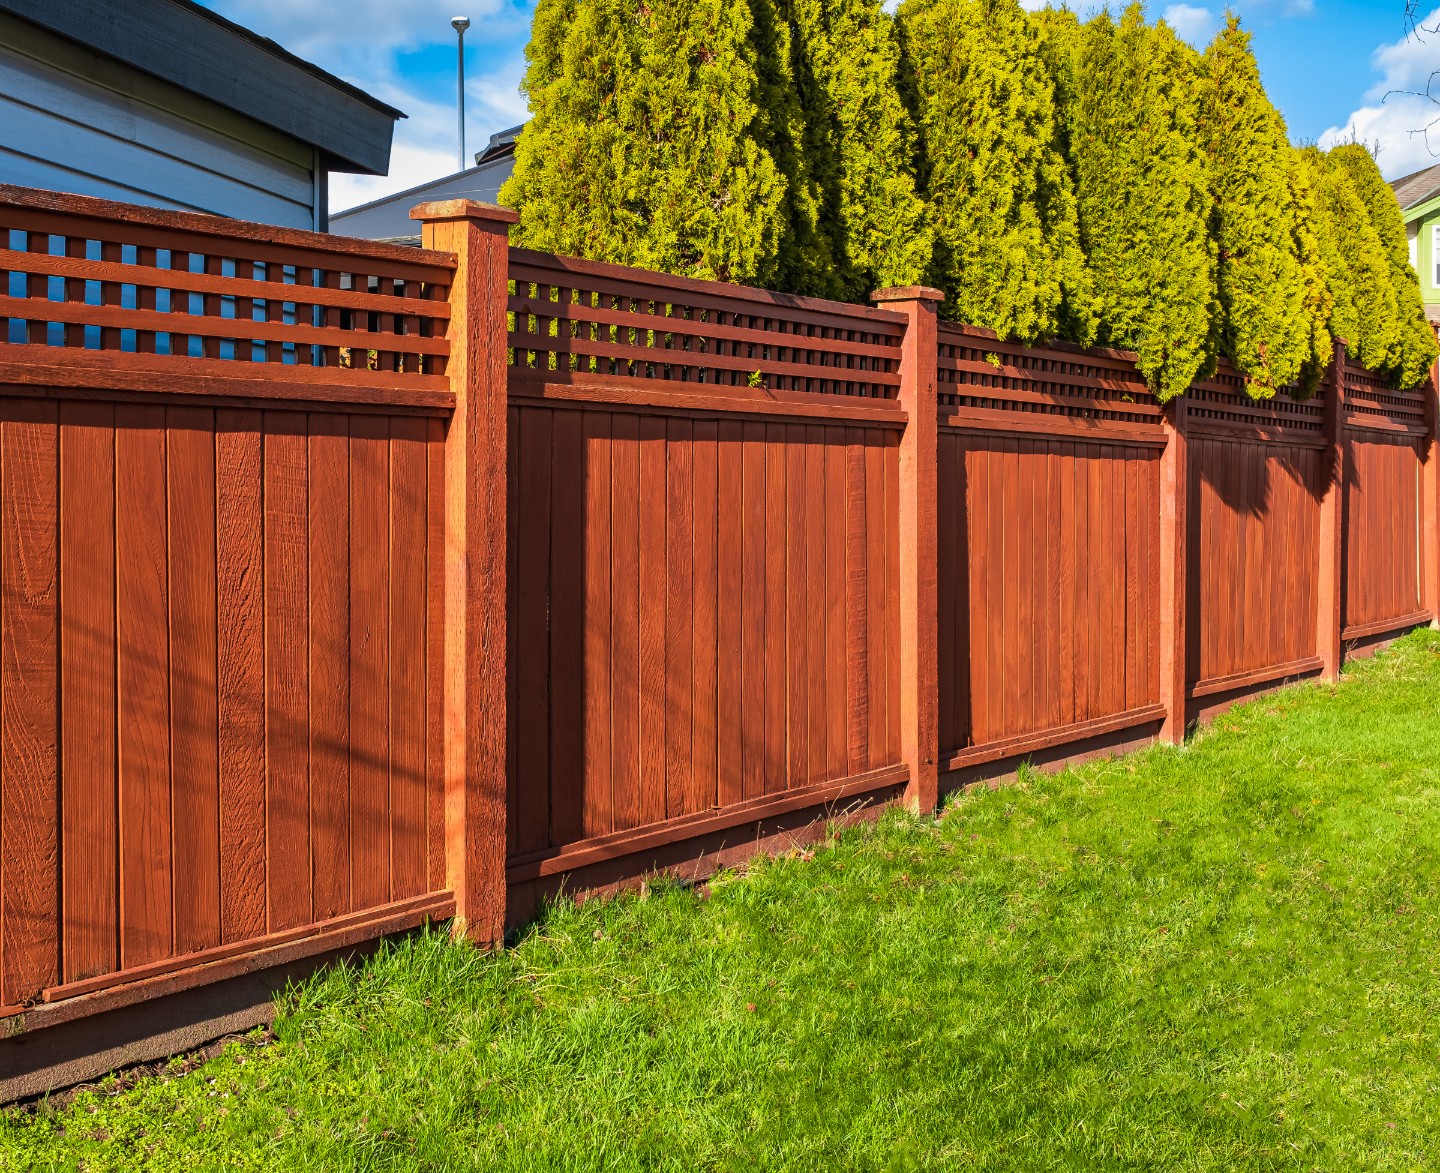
(1357, 271)
(1413, 350)
(1315, 299)
(999, 193)
(642, 146)
(860, 144)
(1265, 329)
(1143, 189)
(805, 260)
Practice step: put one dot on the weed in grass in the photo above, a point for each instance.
(1217, 958)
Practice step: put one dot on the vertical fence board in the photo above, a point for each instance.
(731, 623)
(652, 590)
(141, 590)
(195, 767)
(89, 864)
(240, 645)
(407, 809)
(679, 689)
(30, 805)
(567, 632)
(599, 686)
(370, 556)
(287, 686)
(329, 629)
(532, 622)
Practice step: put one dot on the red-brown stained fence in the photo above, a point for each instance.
(219, 564)
(1387, 435)
(1257, 475)
(344, 586)
(702, 557)
(1048, 547)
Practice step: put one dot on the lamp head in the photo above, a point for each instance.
(460, 24)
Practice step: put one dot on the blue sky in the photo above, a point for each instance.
(1327, 64)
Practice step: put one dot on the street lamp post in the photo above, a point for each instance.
(460, 24)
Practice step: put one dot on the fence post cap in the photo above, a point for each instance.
(464, 210)
(907, 293)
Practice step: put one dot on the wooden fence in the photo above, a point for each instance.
(345, 586)
(221, 547)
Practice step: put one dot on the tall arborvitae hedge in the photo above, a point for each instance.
(1266, 324)
(1413, 350)
(1317, 302)
(805, 246)
(998, 189)
(1357, 272)
(642, 146)
(1144, 197)
(860, 144)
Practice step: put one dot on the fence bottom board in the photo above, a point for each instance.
(1236, 680)
(1375, 627)
(185, 973)
(994, 751)
(622, 843)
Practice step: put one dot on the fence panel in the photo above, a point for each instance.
(1257, 478)
(219, 594)
(1048, 547)
(703, 554)
(1387, 434)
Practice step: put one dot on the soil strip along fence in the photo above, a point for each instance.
(346, 586)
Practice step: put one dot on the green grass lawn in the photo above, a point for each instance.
(1221, 957)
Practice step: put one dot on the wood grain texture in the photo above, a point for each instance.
(143, 686)
(240, 569)
(370, 559)
(30, 935)
(89, 859)
(194, 727)
(288, 866)
(328, 572)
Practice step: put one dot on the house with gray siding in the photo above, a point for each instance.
(163, 102)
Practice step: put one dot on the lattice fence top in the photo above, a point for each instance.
(1222, 401)
(1371, 401)
(578, 322)
(979, 371)
(87, 274)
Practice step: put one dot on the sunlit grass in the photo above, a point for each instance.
(1220, 957)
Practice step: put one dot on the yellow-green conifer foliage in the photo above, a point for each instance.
(1317, 303)
(1413, 351)
(990, 166)
(1265, 329)
(1144, 197)
(1357, 271)
(860, 144)
(641, 147)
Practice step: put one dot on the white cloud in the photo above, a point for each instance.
(425, 142)
(1196, 25)
(363, 43)
(1397, 116)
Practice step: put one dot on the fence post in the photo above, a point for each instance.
(1332, 523)
(1430, 498)
(918, 504)
(475, 549)
(1174, 570)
